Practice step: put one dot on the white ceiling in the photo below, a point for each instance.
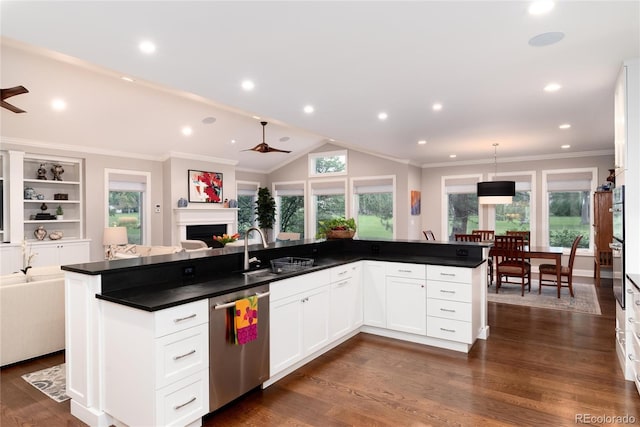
(350, 60)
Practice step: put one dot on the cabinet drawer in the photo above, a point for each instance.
(449, 274)
(453, 330)
(295, 285)
(410, 271)
(181, 354)
(181, 317)
(183, 402)
(344, 272)
(449, 309)
(449, 291)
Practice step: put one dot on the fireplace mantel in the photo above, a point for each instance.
(203, 216)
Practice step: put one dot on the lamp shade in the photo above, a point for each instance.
(115, 236)
(496, 192)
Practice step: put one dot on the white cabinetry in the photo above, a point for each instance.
(406, 298)
(156, 371)
(60, 252)
(346, 300)
(374, 294)
(632, 336)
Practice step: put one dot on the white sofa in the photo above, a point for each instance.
(31, 314)
(135, 251)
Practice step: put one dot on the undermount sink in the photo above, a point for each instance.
(264, 272)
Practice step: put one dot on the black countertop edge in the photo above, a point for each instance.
(634, 279)
(152, 298)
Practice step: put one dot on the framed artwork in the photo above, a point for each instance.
(205, 187)
(415, 202)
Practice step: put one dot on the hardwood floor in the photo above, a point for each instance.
(538, 367)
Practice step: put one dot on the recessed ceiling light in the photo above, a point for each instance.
(127, 79)
(332, 140)
(564, 126)
(147, 47)
(208, 120)
(186, 131)
(565, 146)
(248, 85)
(437, 106)
(552, 87)
(453, 156)
(256, 117)
(59, 104)
(309, 109)
(422, 142)
(541, 7)
(546, 39)
(233, 141)
(382, 116)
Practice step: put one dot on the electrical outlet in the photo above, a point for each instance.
(462, 252)
(157, 208)
(189, 271)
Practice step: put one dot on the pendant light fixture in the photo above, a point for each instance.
(496, 192)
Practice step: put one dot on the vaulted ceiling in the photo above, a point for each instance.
(351, 61)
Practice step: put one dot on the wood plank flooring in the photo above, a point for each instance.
(538, 367)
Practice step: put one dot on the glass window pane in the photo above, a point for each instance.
(328, 207)
(125, 210)
(462, 213)
(569, 215)
(514, 216)
(331, 164)
(375, 215)
(291, 215)
(246, 213)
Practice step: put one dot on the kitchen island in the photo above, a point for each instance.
(433, 293)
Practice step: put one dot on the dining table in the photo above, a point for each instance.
(539, 252)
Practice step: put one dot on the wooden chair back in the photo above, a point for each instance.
(428, 234)
(509, 248)
(467, 237)
(526, 235)
(485, 235)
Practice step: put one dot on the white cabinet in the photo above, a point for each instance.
(632, 335)
(407, 305)
(60, 253)
(374, 294)
(156, 371)
(346, 300)
(299, 318)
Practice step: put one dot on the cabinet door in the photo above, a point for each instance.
(73, 252)
(285, 334)
(315, 309)
(342, 306)
(373, 290)
(47, 255)
(407, 305)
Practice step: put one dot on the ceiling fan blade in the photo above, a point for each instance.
(277, 150)
(263, 147)
(8, 93)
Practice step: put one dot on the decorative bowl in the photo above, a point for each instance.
(340, 234)
(55, 235)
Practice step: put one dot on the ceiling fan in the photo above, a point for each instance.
(263, 147)
(8, 93)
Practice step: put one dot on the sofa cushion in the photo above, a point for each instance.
(120, 255)
(13, 279)
(44, 273)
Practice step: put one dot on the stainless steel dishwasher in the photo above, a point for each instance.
(236, 369)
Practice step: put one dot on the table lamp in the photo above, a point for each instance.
(113, 236)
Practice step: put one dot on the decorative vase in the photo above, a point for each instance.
(40, 232)
(340, 234)
(182, 202)
(29, 193)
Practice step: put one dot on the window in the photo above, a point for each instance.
(128, 203)
(247, 193)
(328, 163)
(518, 215)
(567, 206)
(289, 198)
(460, 204)
(373, 206)
(327, 201)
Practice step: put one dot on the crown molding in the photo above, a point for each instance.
(522, 159)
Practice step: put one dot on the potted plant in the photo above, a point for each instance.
(265, 209)
(337, 228)
(59, 213)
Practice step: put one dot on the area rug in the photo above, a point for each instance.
(585, 299)
(51, 381)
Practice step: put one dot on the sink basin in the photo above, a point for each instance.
(259, 274)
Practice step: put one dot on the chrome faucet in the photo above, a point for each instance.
(246, 244)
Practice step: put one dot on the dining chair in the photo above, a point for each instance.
(429, 235)
(526, 235)
(510, 262)
(485, 235)
(566, 272)
(460, 237)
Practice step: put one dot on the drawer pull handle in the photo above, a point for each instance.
(632, 321)
(343, 272)
(182, 319)
(344, 282)
(448, 310)
(638, 377)
(404, 271)
(638, 302)
(453, 331)
(444, 291)
(448, 274)
(184, 355)
(631, 357)
(178, 407)
(233, 303)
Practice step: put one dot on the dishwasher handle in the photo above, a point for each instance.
(233, 303)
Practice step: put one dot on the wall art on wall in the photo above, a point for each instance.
(415, 202)
(205, 187)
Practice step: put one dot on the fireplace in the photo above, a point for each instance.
(206, 232)
(223, 219)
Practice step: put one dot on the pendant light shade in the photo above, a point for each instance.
(496, 192)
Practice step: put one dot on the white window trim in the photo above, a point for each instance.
(238, 191)
(303, 185)
(313, 156)
(545, 204)
(311, 223)
(491, 220)
(353, 204)
(444, 214)
(146, 200)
